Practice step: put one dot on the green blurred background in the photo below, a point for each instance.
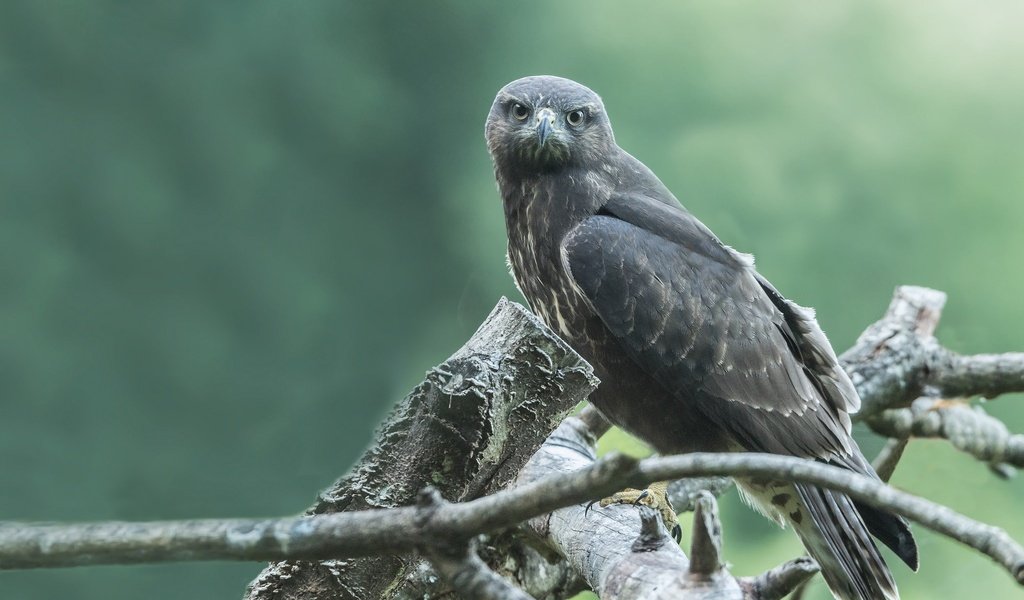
(234, 233)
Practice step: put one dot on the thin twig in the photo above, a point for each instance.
(458, 562)
(470, 577)
(684, 492)
(789, 577)
(885, 463)
(801, 588)
(595, 421)
(990, 540)
(363, 533)
(605, 549)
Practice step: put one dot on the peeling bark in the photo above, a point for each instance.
(466, 430)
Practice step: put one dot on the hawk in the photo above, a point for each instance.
(696, 351)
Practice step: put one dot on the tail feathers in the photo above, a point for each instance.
(892, 530)
(836, 536)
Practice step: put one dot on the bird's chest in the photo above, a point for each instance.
(534, 259)
(547, 286)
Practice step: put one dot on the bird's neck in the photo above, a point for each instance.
(541, 207)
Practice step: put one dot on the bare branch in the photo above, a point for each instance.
(469, 576)
(604, 546)
(782, 580)
(897, 359)
(596, 424)
(886, 362)
(458, 562)
(363, 533)
(885, 463)
(622, 551)
(684, 492)
(987, 539)
(987, 375)
(532, 569)
(706, 538)
(969, 428)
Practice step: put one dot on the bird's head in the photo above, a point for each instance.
(545, 123)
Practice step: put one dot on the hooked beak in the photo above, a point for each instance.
(545, 125)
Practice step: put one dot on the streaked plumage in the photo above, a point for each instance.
(696, 350)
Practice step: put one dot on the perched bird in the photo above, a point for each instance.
(696, 351)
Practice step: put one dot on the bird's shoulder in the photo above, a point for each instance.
(651, 210)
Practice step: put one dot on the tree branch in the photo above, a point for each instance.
(969, 428)
(782, 580)
(469, 576)
(706, 537)
(590, 546)
(459, 564)
(622, 551)
(466, 430)
(363, 533)
(893, 362)
(897, 359)
(885, 463)
(989, 540)
(684, 493)
(888, 359)
(986, 375)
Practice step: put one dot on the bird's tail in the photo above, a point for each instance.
(836, 531)
(837, 537)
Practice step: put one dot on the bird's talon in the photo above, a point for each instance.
(654, 496)
(641, 497)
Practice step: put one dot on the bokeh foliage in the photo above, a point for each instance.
(233, 233)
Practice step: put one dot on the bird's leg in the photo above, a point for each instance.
(655, 496)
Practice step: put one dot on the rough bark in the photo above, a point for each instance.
(466, 430)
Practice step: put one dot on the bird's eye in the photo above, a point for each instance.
(520, 112)
(575, 118)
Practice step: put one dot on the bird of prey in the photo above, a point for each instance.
(696, 351)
